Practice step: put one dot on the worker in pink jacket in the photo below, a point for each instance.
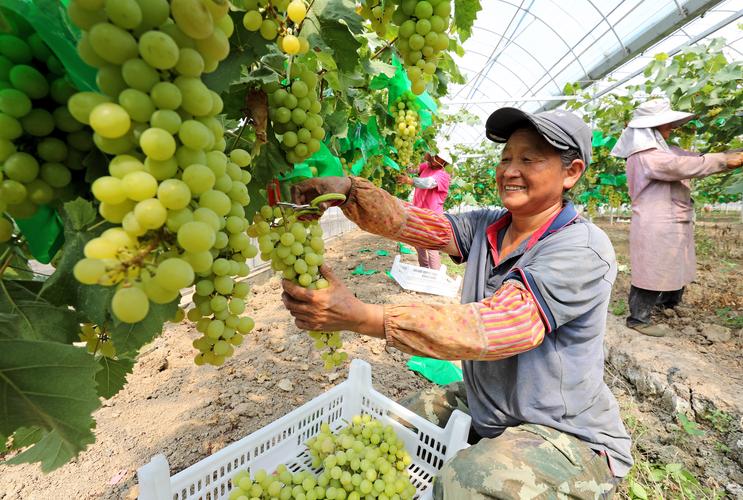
(431, 188)
(662, 232)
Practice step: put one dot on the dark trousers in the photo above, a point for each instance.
(642, 302)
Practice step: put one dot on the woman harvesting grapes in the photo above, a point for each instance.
(530, 327)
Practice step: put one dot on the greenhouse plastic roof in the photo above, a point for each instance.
(523, 52)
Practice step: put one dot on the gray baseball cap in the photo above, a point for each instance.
(563, 129)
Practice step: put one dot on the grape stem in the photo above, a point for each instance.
(383, 48)
(7, 259)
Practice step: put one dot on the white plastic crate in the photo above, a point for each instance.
(425, 280)
(282, 442)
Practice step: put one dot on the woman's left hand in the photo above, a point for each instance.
(331, 309)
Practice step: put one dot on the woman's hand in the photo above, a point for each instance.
(331, 309)
(404, 179)
(734, 160)
(306, 191)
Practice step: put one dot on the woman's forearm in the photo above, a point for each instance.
(504, 325)
(376, 211)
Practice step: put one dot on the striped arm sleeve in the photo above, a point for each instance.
(424, 228)
(376, 211)
(504, 325)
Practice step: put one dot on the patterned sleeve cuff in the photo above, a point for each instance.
(504, 325)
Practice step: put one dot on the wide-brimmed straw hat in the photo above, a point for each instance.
(657, 112)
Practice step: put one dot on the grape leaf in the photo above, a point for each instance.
(330, 28)
(51, 386)
(112, 377)
(35, 318)
(62, 288)
(337, 123)
(129, 337)
(465, 12)
(25, 436)
(246, 48)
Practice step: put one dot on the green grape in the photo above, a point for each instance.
(198, 178)
(139, 75)
(154, 12)
(29, 81)
(38, 122)
(64, 120)
(87, 271)
(130, 305)
(196, 96)
(80, 105)
(166, 95)
(7, 148)
(55, 174)
(124, 13)
(109, 120)
(115, 212)
(201, 262)
(194, 134)
(13, 192)
(269, 29)
(190, 63)
(151, 214)
(252, 20)
(174, 274)
(167, 120)
(14, 103)
(139, 186)
(137, 104)
(215, 201)
(157, 144)
(196, 236)
(112, 44)
(215, 47)
(158, 50)
(15, 49)
(193, 18)
(123, 164)
(84, 18)
(174, 194)
(21, 167)
(157, 293)
(10, 128)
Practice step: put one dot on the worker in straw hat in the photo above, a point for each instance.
(431, 188)
(530, 328)
(661, 233)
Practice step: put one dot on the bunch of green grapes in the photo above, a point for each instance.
(364, 460)
(407, 126)
(379, 13)
(295, 248)
(278, 18)
(422, 36)
(177, 200)
(40, 142)
(294, 110)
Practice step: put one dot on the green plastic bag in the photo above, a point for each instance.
(326, 163)
(49, 19)
(438, 371)
(44, 233)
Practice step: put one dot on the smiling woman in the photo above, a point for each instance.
(530, 327)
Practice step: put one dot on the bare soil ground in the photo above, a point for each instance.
(186, 412)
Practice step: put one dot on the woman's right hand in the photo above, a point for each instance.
(734, 160)
(306, 191)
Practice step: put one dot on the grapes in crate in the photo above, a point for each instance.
(365, 459)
